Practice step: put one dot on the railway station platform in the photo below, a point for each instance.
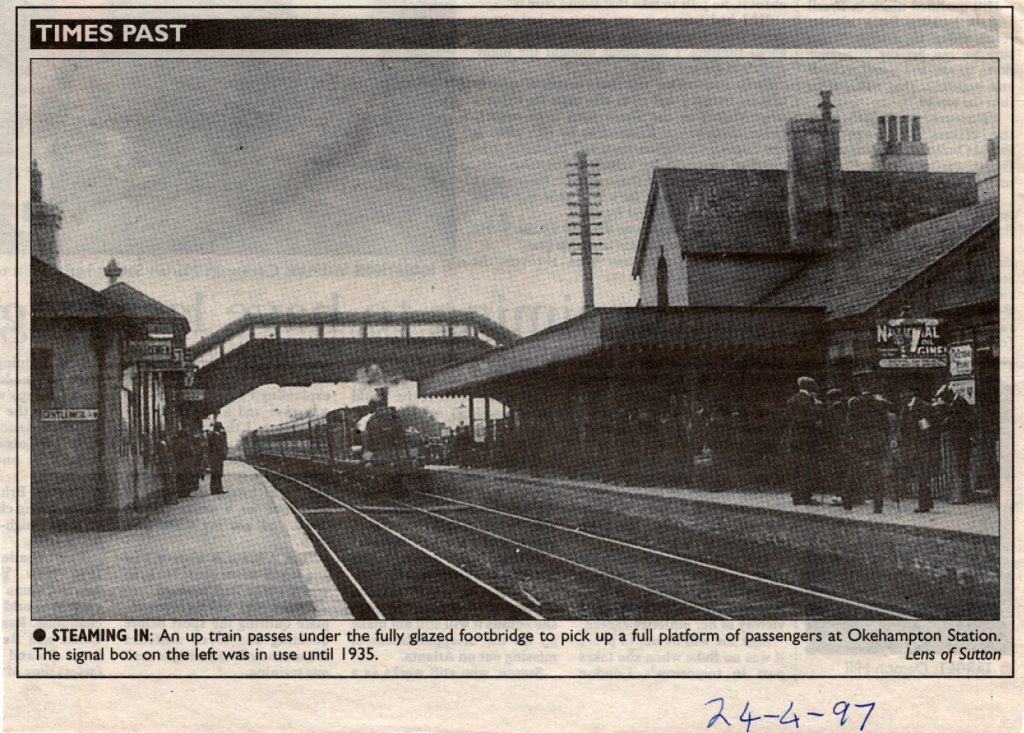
(242, 555)
(974, 519)
(946, 560)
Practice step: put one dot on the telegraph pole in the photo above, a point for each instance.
(584, 203)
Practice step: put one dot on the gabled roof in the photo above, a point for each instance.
(56, 295)
(716, 211)
(746, 212)
(142, 307)
(852, 281)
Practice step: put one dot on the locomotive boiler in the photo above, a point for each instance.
(368, 445)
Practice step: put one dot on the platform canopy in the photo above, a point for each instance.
(619, 341)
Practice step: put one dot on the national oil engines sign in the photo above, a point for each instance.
(910, 343)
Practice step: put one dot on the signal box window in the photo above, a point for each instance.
(42, 377)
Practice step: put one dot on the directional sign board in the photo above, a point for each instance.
(193, 395)
(150, 350)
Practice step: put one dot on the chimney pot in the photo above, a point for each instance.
(899, 147)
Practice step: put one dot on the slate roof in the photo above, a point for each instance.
(879, 203)
(740, 211)
(721, 210)
(56, 295)
(142, 307)
(851, 281)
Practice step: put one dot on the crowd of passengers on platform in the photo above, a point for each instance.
(186, 456)
(823, 445)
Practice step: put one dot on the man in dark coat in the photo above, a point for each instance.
(803, 440)
(868, 434)
(958, 423)
(199, 443)
(217, 452)
(165, 462)
(916, 439)
(184, 462)
(835, 422)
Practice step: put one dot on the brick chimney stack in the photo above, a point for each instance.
(987, 177)
(899, 146)
(46, 220)
(814, 194)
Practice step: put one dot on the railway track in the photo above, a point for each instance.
(506, 564)
(396, 566)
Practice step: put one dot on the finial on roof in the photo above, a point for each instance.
(826, 105)
(112, 271)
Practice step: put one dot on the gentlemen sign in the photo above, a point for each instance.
(910, 343)
(79, 415)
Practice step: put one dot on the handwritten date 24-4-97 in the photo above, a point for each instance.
(842, 712)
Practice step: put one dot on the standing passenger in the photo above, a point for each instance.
(958, 423)
(835, 422)
(868, 430)
(184, 470)
(915, 432)
(165, 462)
(217, 452)
(803, 438)
(198, 459)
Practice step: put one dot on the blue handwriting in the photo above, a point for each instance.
(843, 712)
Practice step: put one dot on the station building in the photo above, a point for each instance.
(105, 371)
(749, 278)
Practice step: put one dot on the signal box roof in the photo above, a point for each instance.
(59, 296)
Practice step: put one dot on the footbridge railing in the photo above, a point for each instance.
(349, 325)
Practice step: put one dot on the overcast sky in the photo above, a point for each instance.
(224, 186)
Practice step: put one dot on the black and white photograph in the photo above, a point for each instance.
(702, 339)
(458, 354)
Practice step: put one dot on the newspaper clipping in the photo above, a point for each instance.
(483, 368)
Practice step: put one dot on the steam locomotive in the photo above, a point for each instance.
(366, 445)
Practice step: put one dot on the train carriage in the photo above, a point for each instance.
(367, 445)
